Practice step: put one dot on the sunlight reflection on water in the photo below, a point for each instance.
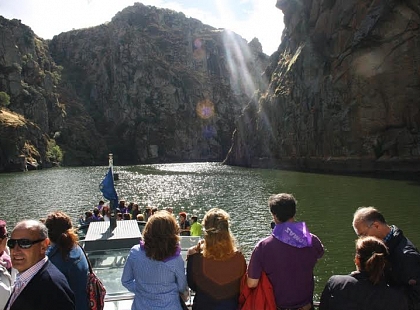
(325, 202)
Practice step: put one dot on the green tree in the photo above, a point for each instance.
(54, 152)
(4, 99)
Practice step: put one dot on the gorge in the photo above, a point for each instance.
(339, 95)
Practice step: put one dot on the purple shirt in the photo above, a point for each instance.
(289, 268)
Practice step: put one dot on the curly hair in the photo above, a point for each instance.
(160, 236)
(61, 232)
(219, 243)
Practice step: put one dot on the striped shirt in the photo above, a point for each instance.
(23, 278)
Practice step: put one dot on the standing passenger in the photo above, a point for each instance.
(366, 287)
(154, 270)
(404, 257)
(288, 257)
(67, 256)
(196, 228)
(39, 284)
(215, 267)
(5, 266)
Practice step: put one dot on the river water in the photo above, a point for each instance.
(325, 202)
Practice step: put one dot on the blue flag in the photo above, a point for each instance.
(108, 189)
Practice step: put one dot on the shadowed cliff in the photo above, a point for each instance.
(344, 91)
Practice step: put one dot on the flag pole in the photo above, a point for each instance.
(113, 203)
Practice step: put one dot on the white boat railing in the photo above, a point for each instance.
(108, 266)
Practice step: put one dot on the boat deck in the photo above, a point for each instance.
(107, 250)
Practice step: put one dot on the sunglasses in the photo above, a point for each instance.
(22, 243)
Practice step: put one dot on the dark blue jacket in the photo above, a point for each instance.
(47, 290)
(405, 266)
(75, 268)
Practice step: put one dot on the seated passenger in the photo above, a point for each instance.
(106, 213)
(88, 218)
(96, 215)
(366, 287)
(184, 225)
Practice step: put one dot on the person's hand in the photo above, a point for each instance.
(192, 250)
(185, 295)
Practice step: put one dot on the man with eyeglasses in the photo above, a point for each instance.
(39, 284)
(404, 258)
(5, 266)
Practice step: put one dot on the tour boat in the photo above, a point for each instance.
(107, 245)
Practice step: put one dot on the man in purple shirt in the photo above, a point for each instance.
(288, 257)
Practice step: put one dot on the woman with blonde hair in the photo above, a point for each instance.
(366, 287)
(215, 266)
(155, 270)
(67, 256)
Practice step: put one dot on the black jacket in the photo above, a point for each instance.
(356, 292)
(404, 261)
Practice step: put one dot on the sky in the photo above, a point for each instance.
(248, 18)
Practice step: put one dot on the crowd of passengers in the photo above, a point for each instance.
(43, 267)
(132, 211)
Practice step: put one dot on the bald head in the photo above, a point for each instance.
(368, 221)
(36, 227)
(28, 244)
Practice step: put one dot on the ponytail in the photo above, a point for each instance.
(372, 253)
(61, 232)
(66, 242)
(375, 266)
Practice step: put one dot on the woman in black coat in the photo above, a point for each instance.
(366, 287)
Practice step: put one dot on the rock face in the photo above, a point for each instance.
(21, 141)
(149, 86)
(28, 75)
(344, 90)
(160, 87)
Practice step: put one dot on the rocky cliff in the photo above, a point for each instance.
(160, 87)
(29, 77)
(344, 90)
(149, 86)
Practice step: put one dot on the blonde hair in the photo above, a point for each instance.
(219, 243)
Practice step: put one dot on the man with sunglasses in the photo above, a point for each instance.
(404, 258)
(39, 284)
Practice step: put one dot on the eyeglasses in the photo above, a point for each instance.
(5, 236)
(22, 243)
(365, 232)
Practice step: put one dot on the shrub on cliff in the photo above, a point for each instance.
(4, 99)
(54, 152)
